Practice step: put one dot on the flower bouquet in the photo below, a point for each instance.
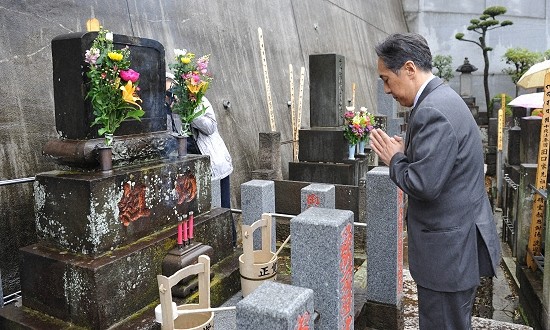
(357, 125)
(112, 85)
(192, 81)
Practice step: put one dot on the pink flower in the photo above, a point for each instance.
(202, 64)
(349, 114)
(91, 56)
(129, 75)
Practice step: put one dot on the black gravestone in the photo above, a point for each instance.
(514, 136)
(529, 139)
(327, 90)
(74, 114)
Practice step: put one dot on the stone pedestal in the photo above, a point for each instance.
(95, 212)
(348, 172)
(97, 292)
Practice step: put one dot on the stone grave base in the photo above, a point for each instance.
(60, 288)
(530, 296)
(382, 316)
(348, 172)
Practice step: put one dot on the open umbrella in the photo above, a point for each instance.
(531, 100)
(534, 77)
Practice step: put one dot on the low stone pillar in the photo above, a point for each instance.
(528, 173)
(269, 157)
(318, 195)
(276, 306)
(322, 260)
(385, 217)
(258, 197)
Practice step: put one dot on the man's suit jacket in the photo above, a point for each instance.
(452, 237)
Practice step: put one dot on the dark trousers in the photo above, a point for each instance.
(225, 191)
(445, 310)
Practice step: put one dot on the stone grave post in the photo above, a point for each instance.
(322, 260)
(317, 195)
(276, 306)
(528, 173)
(258, 197)
(385, 217)
(269, 157)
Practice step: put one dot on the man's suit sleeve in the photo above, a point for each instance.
(431, 156)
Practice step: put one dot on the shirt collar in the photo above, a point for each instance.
(422, 89)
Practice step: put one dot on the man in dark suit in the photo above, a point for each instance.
(439, 165)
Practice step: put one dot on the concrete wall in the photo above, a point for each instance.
(440, 20)
(292, 30)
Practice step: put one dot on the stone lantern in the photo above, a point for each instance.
(466, 70)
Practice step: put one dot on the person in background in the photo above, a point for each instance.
(206, 140)
(452, 237)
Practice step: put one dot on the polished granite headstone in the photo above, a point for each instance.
(327, 89)
(529, 139)
(74, 114)
(135, 140)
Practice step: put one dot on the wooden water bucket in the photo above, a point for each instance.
(169, 318)
(257, 266)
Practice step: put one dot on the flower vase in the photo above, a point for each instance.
(362, 147)
(351, 151)
(106, 158)
(108, 139)
(182, 145)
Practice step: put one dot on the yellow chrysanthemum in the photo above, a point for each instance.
(195, 88)
(129, 94)
(185, 60)
(115, 56)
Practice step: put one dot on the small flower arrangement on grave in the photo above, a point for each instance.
(192, 81)
(112, 84)
(357, 124)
